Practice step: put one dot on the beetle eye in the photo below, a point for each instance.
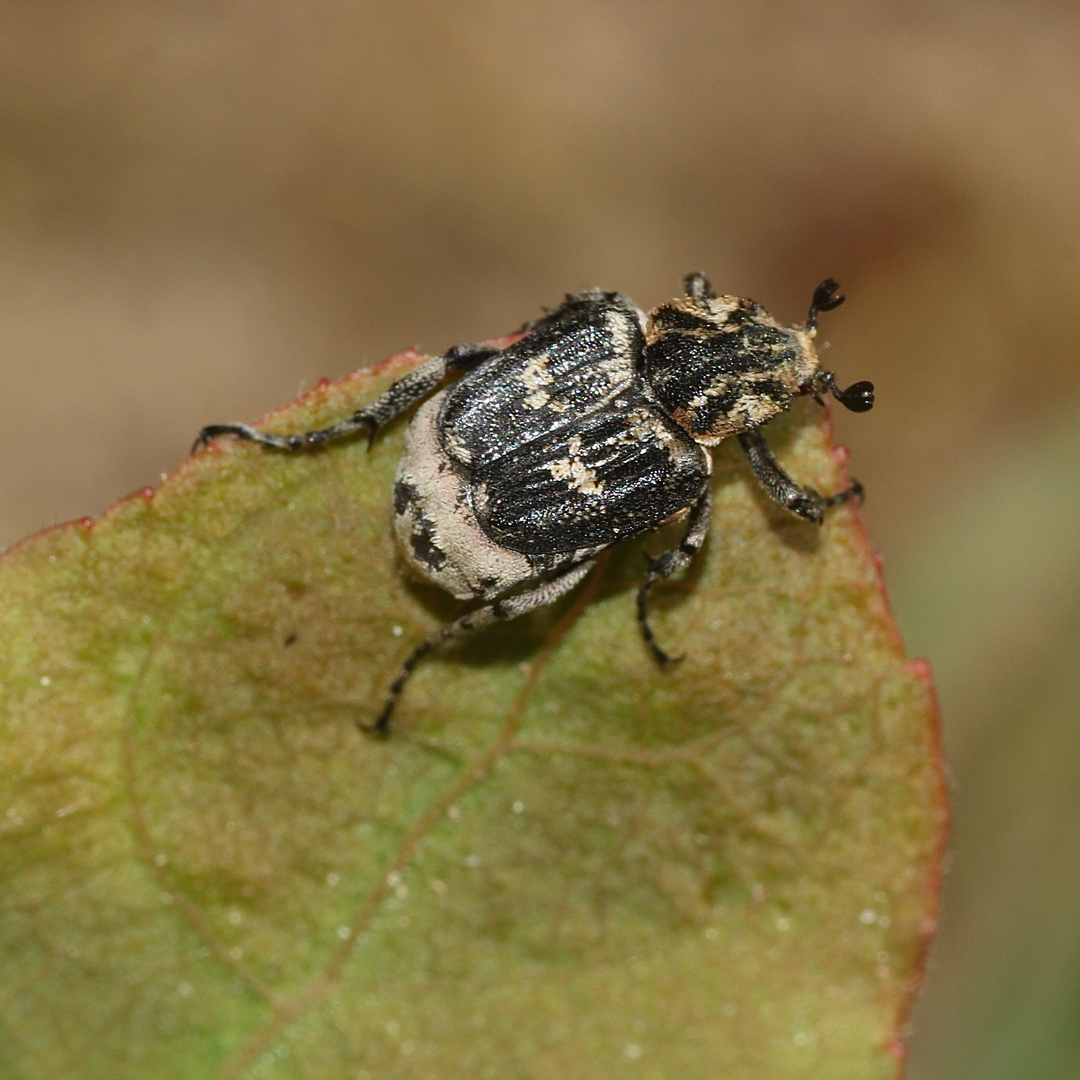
(858, 397)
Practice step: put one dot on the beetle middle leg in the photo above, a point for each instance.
(403, 394)
(671, 562)
(804, 501)
(508, 608)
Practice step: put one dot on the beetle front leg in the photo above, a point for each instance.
(471, 622)
(670, 563)
(402, 395)
(804, 501)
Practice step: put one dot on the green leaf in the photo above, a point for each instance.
(565, 863)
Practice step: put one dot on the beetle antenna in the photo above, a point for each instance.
(858, 397)
(826, 297)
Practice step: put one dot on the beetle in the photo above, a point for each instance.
(592, 428)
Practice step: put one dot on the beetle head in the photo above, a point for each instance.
(721, 365)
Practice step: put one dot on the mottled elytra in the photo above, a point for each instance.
(591, 429)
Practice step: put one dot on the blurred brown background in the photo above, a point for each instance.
(206, 205)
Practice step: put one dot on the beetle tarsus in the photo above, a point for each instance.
(242, 431)
(855, 491)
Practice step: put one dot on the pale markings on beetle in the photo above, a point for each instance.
(575, 472)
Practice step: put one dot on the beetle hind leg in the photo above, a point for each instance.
(402, 395)
(471, 622)
(670, 563)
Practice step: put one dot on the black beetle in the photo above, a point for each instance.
(591, 429)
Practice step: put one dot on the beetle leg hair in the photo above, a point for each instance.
(508, 608)
(671, 562)
(402, 395)
(804, 501)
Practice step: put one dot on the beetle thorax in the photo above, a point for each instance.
(722, 365)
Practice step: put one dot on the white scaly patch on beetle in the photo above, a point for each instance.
(620, 336)
(716, 310)
(645, 426)
(747, 380)
(442, 514)
(575, 472)
(614, 367)
(534, 377)
(756, 408)
(536, 373)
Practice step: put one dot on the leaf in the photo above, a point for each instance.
(566, 863)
